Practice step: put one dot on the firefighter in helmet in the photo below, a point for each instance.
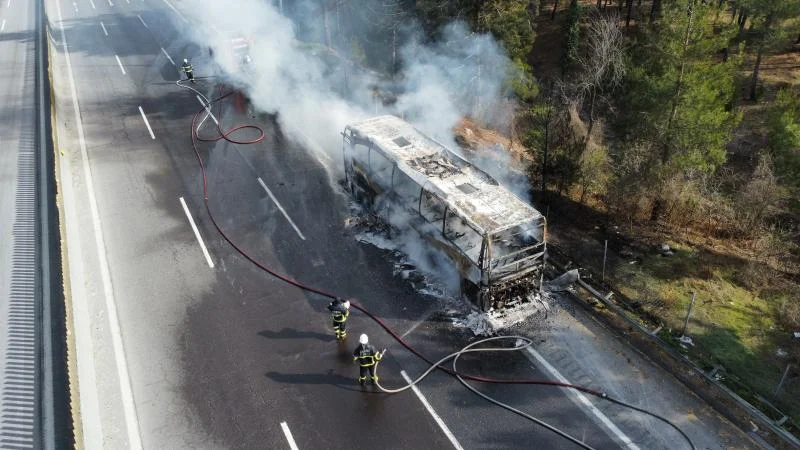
(367, 356)
(187, 69)
(340, 311)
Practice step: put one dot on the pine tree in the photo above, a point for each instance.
(679, 97)
(769, 17)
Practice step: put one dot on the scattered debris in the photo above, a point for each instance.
(797, 334)
(563, 281)
(781, 353)
(665, 250)
(477, 322)
(487, 324)
(686, 340)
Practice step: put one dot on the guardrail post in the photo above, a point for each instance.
(605, 253)
(783, 379)
(689, 313)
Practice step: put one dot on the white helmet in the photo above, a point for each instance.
(364, 340)
(185, 61)
(347, 304)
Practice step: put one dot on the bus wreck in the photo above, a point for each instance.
(495, 240)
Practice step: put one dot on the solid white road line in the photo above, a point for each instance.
(433, 414)
(260, 181)
(580, 398)
(208, 110)
(110, 3)
(288, 433)
(8, 4)
(104, 28)
(129, 407)
(120, 64)
(176, 11)
(3, 26)
(147, 123)
(75, 6)
(142, 20)
(197, 233)
(92, 3)
(168, 57)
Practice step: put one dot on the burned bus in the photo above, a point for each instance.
(495, 240)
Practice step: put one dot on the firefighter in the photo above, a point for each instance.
(340, 311)
(367, 356)
(187, 69)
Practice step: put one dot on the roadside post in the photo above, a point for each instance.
(684, 338)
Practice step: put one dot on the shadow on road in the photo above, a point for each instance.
(290, 333)
(329, 378)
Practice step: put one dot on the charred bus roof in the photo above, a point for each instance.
(473, 193)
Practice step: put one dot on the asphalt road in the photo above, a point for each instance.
(19, 395)
(177, 348)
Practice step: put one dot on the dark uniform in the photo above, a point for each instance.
(339, 314)
(187, 69)
(367, 356)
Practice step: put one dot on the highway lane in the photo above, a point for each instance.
(19, 392)
(344, 266)
(224, 355)
(156, 271)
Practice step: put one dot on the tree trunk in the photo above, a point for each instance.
(742, 22)
(555, 8)
(599, 4)
(394, 51)
(761, 44)
(658, 208)
(658, 203)
(756, 69)
(629, 14)
(591, 118)
(798, 40)
(325, 22)
(655, 10)
(679, 84)
(547, 138)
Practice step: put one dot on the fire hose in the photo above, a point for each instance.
(463, 378)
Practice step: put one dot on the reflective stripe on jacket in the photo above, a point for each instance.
(366, 355)
(339, 312)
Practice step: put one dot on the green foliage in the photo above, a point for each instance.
(523, 83)
(357, 51)
(434, 14)
(509, 22)
(680, 96)
(572, 36)
(784, 136)
(595, 171)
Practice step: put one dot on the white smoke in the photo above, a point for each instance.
(462, 74)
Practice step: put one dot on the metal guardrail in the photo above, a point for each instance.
(55, 416)
(754, 412)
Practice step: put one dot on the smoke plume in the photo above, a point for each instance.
(461, 73)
